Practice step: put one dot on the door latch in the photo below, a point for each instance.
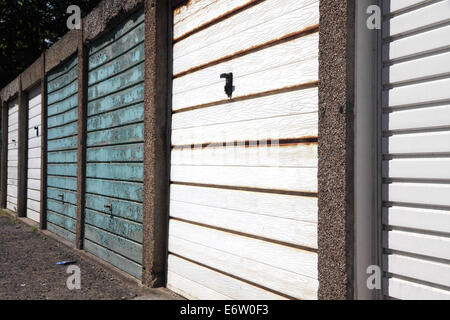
(37, 131)
(61, 195)
(109, 207)
(229, 88)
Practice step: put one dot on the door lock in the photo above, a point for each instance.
(229, 88)
(109, 207)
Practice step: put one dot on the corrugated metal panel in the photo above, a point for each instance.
(114, 170)
(34, 154)
(416, 150)
(13, 145)
(62, 139)
(243, 204)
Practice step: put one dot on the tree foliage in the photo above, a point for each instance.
(28, 27)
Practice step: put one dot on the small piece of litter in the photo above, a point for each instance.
(63, 263)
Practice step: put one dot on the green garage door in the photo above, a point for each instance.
(115, 133)
(62, 137)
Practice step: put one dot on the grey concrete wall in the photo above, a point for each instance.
(336, 100)
(156, 143)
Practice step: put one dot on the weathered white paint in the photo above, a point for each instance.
(255, 26)
(191, 289)
(183, 12)
(262, 262)
(284, 127)
(211, 10)
(293, 259)
(297, 155)
(34, 154)
(416, 146)
(302, 72)
(275, 228)
(231, 287)
(242, 169)
(285, 179)
(253, 73)
(13, 144)
(283, 104)
(283, 281)
(270, 204)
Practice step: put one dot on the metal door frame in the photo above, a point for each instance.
(368, 144)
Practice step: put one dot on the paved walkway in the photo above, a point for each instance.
(28, 269)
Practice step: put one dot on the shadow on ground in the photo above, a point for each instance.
(28, 269)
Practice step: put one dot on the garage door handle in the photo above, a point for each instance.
(61, 195)
(229, 88)
(109, 207)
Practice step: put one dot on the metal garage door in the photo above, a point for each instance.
(114, 170)
(34, 154)
(62, 139)
(243, 196)
(416, 149)
(13, 145)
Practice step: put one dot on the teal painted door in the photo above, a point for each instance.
(62, 135)
(115, 133)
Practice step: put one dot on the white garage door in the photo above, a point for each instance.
(13, 123)
(243, 197)
(416, 149)
(34, 154)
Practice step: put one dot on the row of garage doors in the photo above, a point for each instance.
(243, 206)
(243, 175)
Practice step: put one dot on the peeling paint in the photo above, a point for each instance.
(291, 36)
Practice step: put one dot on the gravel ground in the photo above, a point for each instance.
(28, 269)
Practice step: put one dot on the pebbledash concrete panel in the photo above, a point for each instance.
(114, 146)
(62, 139)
